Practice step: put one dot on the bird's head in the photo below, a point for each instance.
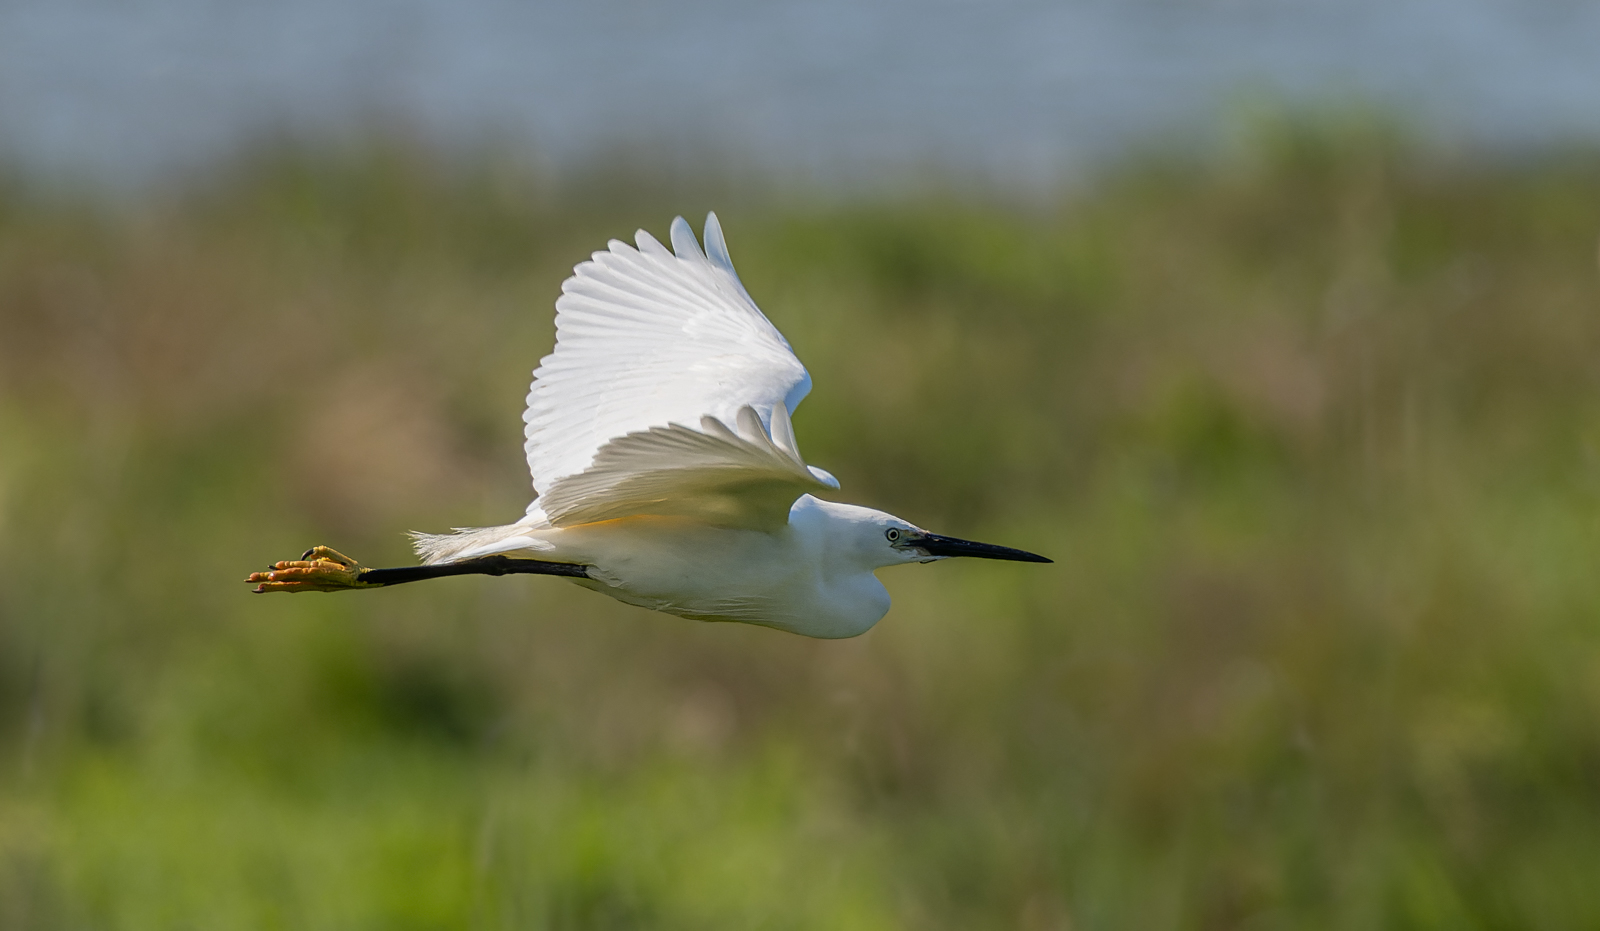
(879, 539)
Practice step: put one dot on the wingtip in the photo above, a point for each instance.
(683, 241)
(716, 245)
(647, 245)
(824, 476)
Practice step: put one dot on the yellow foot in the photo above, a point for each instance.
(319, 569)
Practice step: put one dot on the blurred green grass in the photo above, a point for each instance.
(1313, 434)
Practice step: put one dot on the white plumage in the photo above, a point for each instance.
(665, 463)
(646, 338)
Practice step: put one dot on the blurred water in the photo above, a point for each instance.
(1018, 89)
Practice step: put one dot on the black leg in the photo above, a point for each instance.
(485, 565)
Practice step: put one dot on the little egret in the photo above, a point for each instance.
(665, 466)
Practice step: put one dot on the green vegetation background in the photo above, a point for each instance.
(1313, 433)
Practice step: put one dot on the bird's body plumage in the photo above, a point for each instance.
(802, 576)
(665, 465)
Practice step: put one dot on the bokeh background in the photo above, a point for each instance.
(1275, 322)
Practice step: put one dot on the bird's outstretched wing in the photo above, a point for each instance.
(649, 343)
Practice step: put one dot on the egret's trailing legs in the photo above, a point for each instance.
(324, 569)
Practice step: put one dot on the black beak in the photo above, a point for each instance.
(935, 545)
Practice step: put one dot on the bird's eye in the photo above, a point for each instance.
(892, 534)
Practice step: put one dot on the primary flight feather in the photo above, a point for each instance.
(665, 465)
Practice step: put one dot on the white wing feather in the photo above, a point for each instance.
(647, 342)
(713, 474)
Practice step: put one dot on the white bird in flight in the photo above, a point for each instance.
(665, 464)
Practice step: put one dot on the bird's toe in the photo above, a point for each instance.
(319, 569)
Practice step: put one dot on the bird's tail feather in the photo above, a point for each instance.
(470, 542)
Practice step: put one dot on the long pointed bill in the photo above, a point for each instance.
(935, 545)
